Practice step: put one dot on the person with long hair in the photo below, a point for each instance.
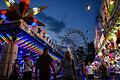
(68, 67)
(83, 71)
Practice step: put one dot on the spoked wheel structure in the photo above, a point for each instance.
(75, 38)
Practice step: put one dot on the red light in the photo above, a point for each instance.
(25, 1)
(3, 12)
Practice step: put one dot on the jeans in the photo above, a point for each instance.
(84, 77)
(111, 75)
(117, 76)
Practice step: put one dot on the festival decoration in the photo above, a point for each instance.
(21, 11)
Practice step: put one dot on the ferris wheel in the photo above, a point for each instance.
(74, 37)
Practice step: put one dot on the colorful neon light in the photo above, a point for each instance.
(21, 41)
(21, 11)
(8, 35)
(1, 41)
(6, 40)
(28, 45)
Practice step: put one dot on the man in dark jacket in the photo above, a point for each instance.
(43, 64)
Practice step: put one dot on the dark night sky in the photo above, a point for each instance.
(62, 15)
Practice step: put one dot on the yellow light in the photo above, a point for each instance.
(20, 41)
(17, 38)
(111, 2)
(5, 39)
(8, 4)
(100, 54)
(22, 45)
(27, 46)
(35, 9)
(118, 45)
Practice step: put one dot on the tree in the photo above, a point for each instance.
(91, 49)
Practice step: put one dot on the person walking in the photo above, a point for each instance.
(15, 71)
(83, 71)
(43, 64)
(90, 71)
(111, 70)
(28, 68)
(103, 71)
(68, 67)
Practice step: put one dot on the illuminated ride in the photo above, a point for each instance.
(21, 11)
(12, 30)
(76, 41)
(74, 37)
(17, 37)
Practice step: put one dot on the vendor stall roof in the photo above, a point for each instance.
(10, 32)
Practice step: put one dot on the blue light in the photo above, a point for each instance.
(8, 34)
(3, 16)
(21, 51)
(37, 57)
(1, 35)
(20, 58)
(7, 21)
(34, 24)
(3, 43)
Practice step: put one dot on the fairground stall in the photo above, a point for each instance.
(108, 36)
(21, 34)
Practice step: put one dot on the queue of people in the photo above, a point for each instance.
(45, 62)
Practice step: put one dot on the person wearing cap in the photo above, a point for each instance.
(43, 64)
(28, 67)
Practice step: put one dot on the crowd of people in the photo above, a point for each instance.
(103, 71)
(43, 65)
